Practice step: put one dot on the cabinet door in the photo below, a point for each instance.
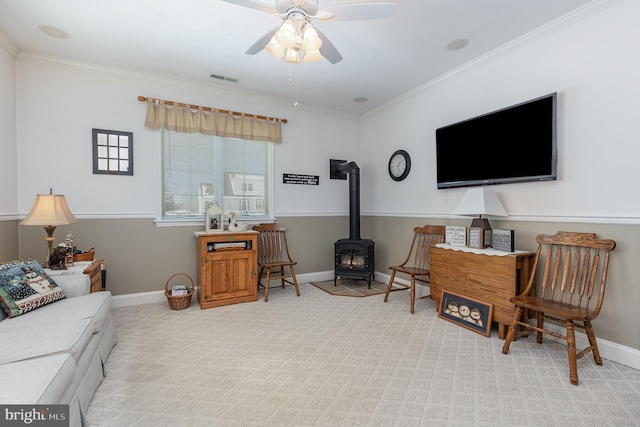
(229, 275)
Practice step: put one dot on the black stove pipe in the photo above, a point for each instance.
(354, 196)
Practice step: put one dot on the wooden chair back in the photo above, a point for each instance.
(420, 250)
(574, 273)
(272, 244)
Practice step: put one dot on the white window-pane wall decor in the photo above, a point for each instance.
(112, 152)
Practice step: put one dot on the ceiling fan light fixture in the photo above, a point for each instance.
(312, 56)
(310, 38)
(292, 55)
(286, 34)
(274, 48)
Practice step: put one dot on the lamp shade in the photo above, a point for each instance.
(312, 56)
(274, 48)
(49, 209)
(286, 35)
(480, 201)
(292, 56)
(310, 39)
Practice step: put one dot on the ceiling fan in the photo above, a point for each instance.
(297, 38)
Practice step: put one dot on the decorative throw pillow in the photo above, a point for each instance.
(24, 286)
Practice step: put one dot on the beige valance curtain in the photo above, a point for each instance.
(210, 121)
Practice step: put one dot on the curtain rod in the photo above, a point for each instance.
(234, 113)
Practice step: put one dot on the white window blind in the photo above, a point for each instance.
(199, 168)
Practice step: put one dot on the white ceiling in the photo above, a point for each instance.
(190, 39)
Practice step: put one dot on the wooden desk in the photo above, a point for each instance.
(486, 275)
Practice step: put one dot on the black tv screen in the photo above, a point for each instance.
(514, 144)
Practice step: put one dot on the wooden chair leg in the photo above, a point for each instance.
(571, 351)
(413, 292)
(260, 277)
(295, 282)
(282, 276)
(266, 286)
(592, 342)
(386, 295)
(512, 330)
(540, 317)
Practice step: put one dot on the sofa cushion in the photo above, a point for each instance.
(96, 307)
(54, 337)
(24, 286)
(42, 380)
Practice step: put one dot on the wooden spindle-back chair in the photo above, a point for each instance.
(416, 265)
(571, 291)
(274, 257)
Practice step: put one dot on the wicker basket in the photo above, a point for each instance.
(85, 256)
(181, 301)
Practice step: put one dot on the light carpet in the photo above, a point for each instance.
(318, 360)
(353, 288)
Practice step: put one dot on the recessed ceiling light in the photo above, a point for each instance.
(360, 99)
(457, 44)
(54, 32)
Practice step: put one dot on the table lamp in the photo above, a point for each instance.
(49, 210)
(481, 201)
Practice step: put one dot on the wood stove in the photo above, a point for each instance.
(354, 257)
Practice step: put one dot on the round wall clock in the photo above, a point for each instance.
(399, 165)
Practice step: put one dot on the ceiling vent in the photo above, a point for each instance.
(226, 79)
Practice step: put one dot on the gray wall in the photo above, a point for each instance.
(9, 239)
(141, 257)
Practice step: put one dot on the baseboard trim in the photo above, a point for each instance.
(138, 298)
(608, 350)
(152, 297)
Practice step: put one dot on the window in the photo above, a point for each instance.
(112, 152)
(197, 169)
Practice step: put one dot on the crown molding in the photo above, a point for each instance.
(571, 18)
(8, 45)
(212, 87)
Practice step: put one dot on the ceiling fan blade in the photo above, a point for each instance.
(328, 50)
(261, 43)
(251, 4)
(357, 11)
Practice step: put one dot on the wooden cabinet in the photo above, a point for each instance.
(483, 275)
(228, 266)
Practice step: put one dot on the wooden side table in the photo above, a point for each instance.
(97, 275)
(486, 275)
(82, 278)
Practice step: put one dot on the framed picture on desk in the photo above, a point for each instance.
(466, 312)
(475, 237)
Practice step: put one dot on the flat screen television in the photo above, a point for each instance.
(514, 144)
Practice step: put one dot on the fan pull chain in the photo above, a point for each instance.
(294, 80)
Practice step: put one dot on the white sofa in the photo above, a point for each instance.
(55, 354)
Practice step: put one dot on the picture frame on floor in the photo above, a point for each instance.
(466, 312)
